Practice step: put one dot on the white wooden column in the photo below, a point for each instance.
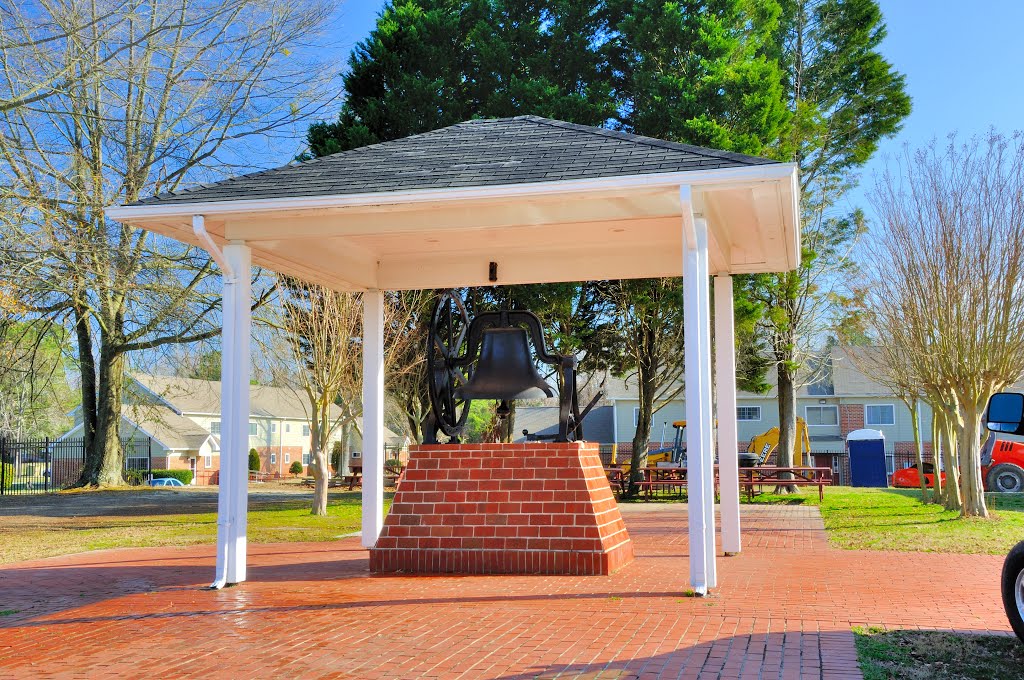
(699, 424)
(725, 392)
(373, 416)
(232, 499)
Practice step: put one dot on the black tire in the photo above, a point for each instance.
(1005, 478)
(1013, 589)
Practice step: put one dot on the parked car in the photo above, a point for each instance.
(1005, 413)
(165, 481)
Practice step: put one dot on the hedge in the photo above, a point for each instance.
(184, 475)
(8, 475)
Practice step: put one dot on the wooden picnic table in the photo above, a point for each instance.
(774, 475)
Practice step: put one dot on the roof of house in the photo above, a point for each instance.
(503, 151)
(202, 397)
(543, 420)
(173, 431)
(188, 395)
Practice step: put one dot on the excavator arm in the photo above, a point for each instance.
(762, 445)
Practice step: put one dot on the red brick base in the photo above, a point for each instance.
(537, 508)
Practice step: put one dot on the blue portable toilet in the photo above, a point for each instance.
(867, 458)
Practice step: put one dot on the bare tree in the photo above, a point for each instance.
(325, 332)
(151, 94)
(945, 274)
(649, 316)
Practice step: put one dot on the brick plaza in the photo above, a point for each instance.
(784, 610)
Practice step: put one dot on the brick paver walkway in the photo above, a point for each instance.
(784, 610)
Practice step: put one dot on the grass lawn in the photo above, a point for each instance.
(288, 519)
(923, 655)
(896, 519)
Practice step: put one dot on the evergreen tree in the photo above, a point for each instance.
(845, 98)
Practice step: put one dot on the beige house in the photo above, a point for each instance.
(843, 399)
(181, 418)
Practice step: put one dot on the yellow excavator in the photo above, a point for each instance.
(764, 444)
(675, 454)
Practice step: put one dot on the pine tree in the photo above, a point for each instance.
(844, 98)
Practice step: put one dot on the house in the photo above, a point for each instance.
(180, 420)
(842, 399)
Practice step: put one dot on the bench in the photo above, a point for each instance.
(761, 477)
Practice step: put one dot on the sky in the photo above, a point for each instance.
(964, 63)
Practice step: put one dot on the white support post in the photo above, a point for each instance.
(232, 499)
(725, 386)
(699, 423)
(373, 416)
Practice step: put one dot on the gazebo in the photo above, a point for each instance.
(545, 200)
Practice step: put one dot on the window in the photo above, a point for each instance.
(879, 414)
(748, 413)
(305, 459)
(273, 459)
(305, 430)
(252, 428)
(357, 454)
(287, 427)
(636, 417)
(215, 427)
(273, 427)
(822, 416)
(287, 458)
(208, 461)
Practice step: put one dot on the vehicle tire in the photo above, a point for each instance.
(1005, 478)
(1013, 589)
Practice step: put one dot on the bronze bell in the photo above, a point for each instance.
(505, 369)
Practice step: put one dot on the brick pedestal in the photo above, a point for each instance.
(537, 508)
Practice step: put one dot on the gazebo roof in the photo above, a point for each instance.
(546, 200)
(519, 150)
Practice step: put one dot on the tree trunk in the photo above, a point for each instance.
(915, 424)
(318, 462)
(87, 370)
(937, 486)
(969, 449)
(787, 423)
(104, 460)
(951, 498)
(642, 436)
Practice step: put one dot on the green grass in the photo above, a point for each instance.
(896, 519)
(283, 521)
(924, 655)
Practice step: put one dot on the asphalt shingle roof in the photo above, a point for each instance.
(520, 150)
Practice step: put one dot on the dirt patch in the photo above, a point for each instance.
(55, 508)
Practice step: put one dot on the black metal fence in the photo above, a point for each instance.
(32, 466)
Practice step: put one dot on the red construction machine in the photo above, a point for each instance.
(1002, 468)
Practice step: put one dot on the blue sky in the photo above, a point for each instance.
(964, 63)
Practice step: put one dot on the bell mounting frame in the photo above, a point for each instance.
(452, 352)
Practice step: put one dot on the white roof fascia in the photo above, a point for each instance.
(696, 178)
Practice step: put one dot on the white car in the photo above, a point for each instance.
(165, 481)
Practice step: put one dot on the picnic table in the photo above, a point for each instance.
(774, 475)
(664, 477)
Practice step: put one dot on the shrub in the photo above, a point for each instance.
(8, 475)
(336, 451)
(135, 477)
(184, 475)
(392, 462)
(254, 460)
(296, 468)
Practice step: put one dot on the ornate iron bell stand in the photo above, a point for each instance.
(488, 358)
